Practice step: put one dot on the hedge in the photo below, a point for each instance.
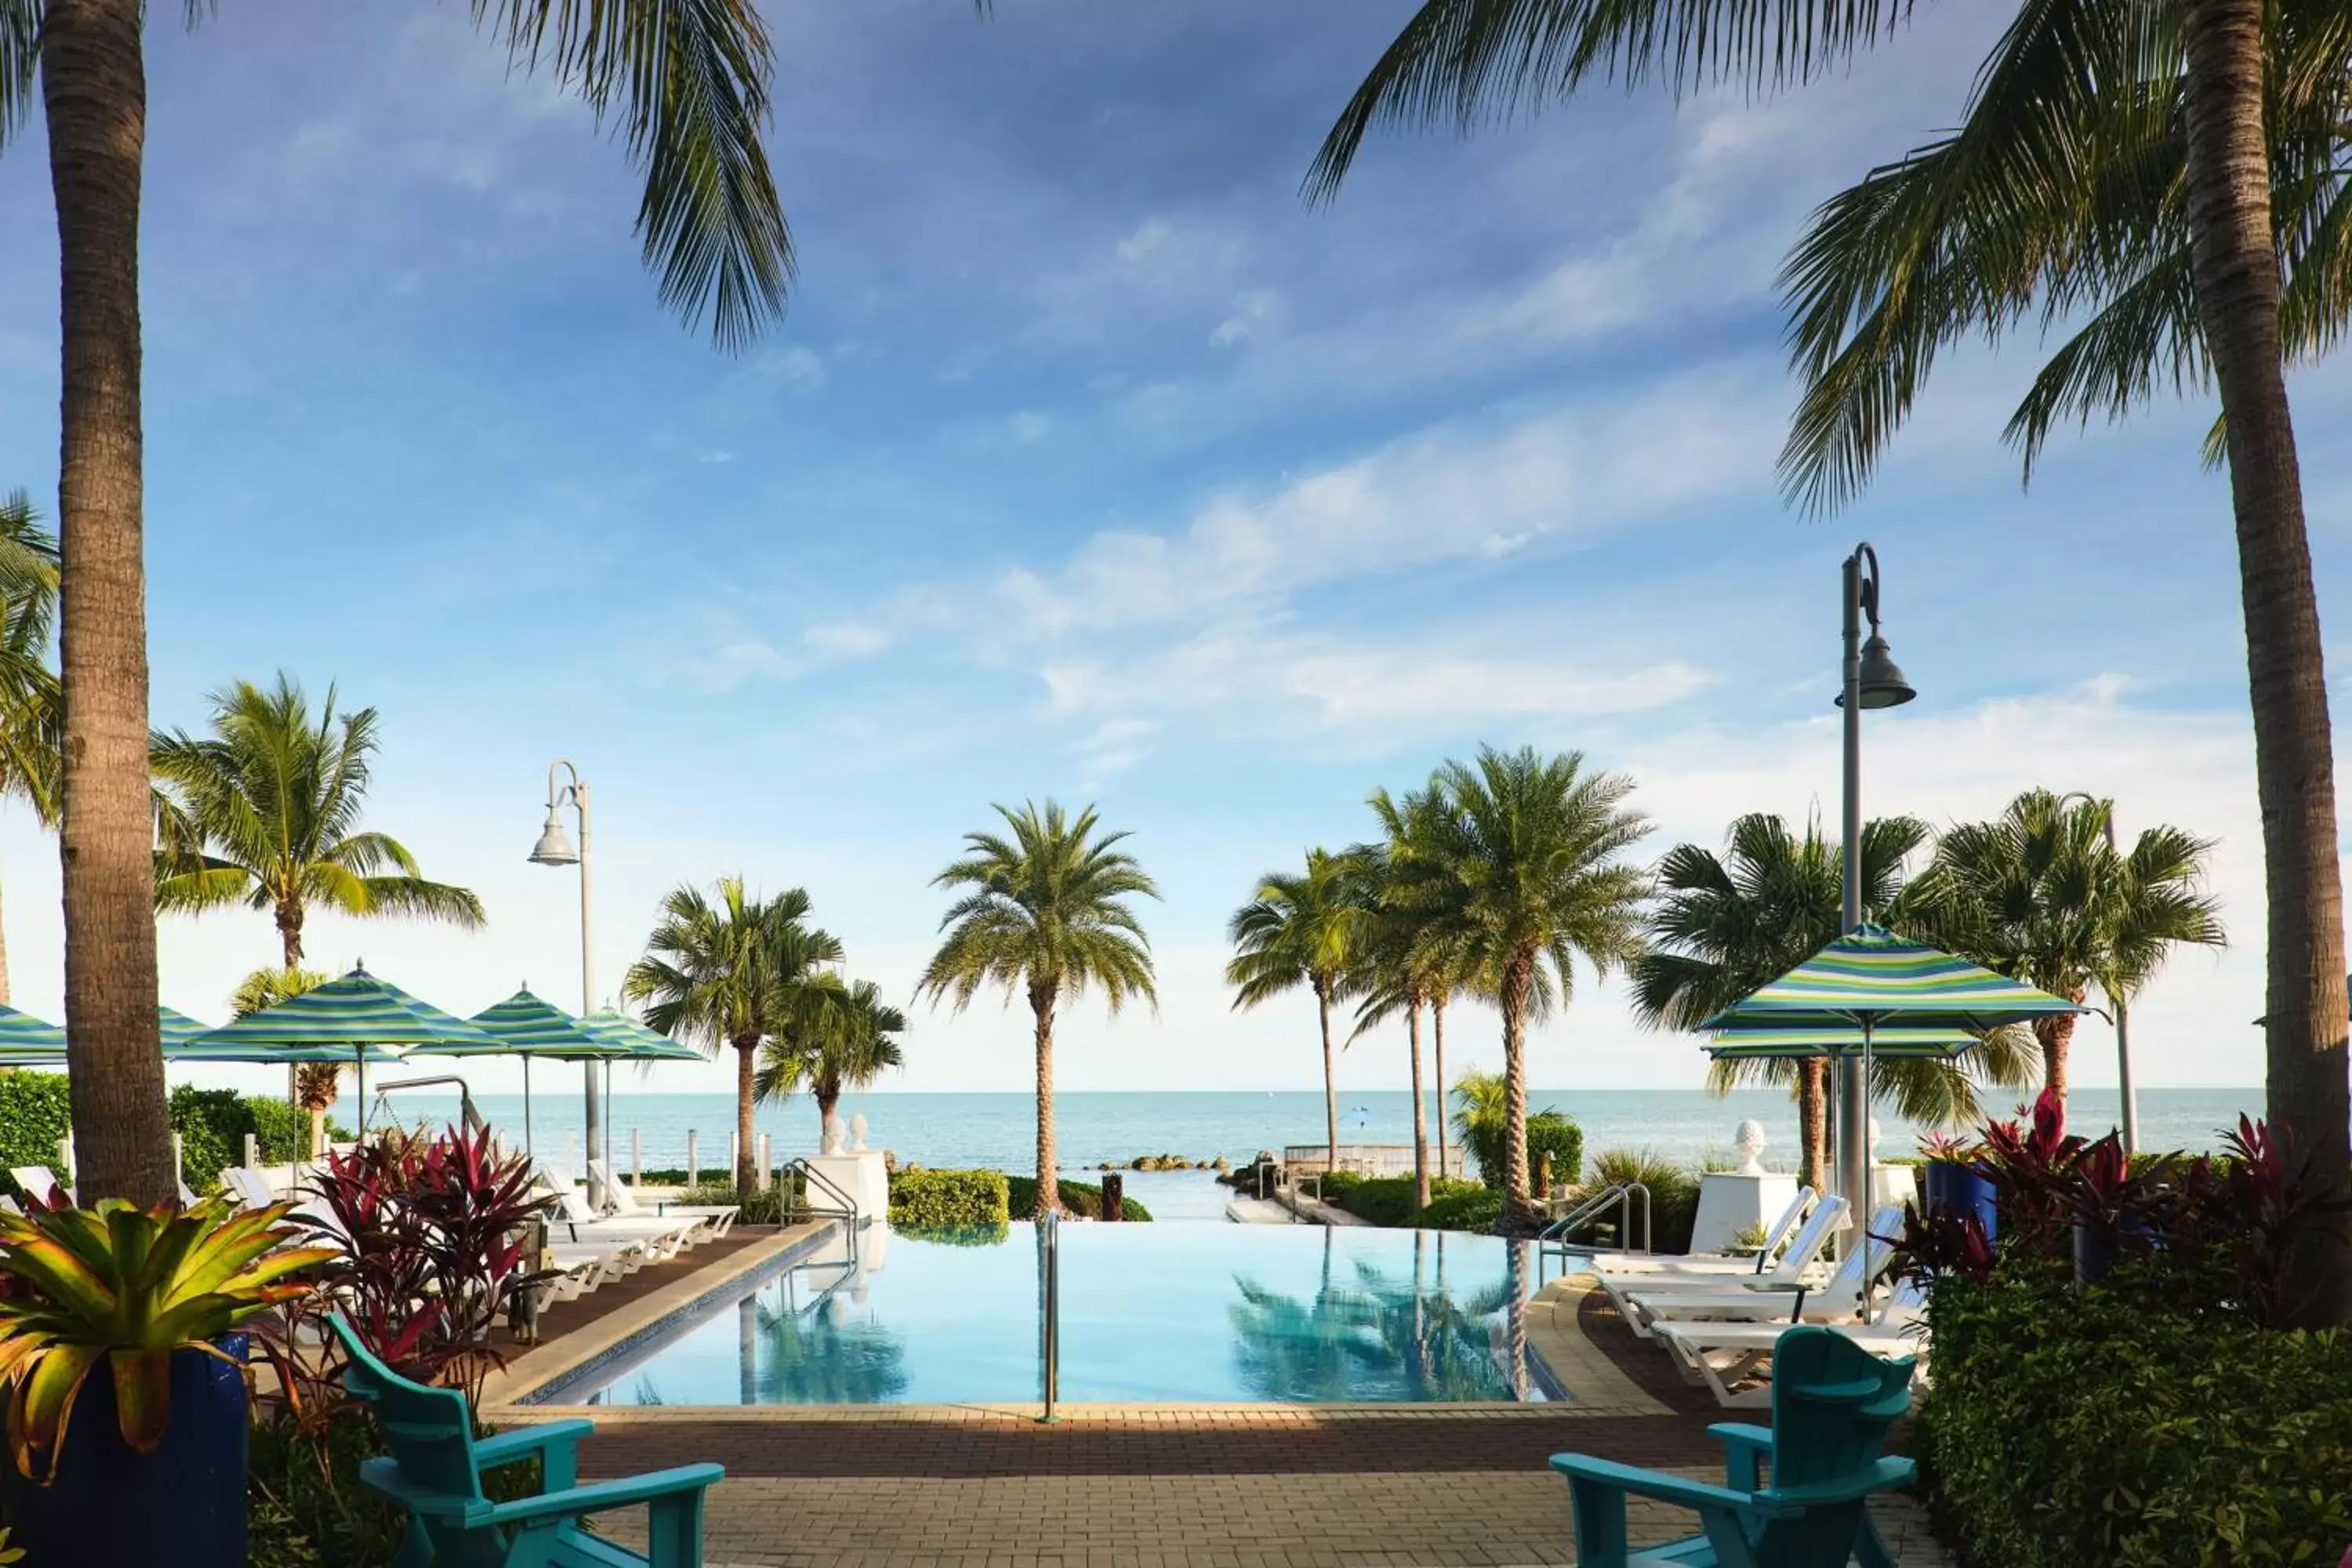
(36, 1114)
(2112, 1425)
(1469, 1205)
(1083, 1199)
(921, 1198)
(1548, 1131)
(1388, 1200)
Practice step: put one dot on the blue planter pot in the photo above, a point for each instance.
(2094, 1253)
(183, 1504)
(1964, 1190)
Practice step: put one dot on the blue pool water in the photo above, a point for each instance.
(1148, 1313)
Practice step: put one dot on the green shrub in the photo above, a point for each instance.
(2113, 1425)
(1480, 1117)
(1674, 1195)
(284, 1130)
(1083, 1199)
(211, 1124)
(1388, 1200)
(1550, 1132)
(36, 1114)
(760, 1208)
(1336, 1184)
(923, 1198)
(1465, 1205)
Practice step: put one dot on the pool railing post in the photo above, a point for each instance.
(637, 1157)
(1052, 1224)
(693, 1164)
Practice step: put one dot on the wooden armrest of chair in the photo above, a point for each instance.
(1656, 1484)
(551, 1443)
(599, 1496)
(1883, 1475)
(1745, 1446)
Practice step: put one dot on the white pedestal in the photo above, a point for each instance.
(1892, 1185)
(1729, 1203)
(861, 1178)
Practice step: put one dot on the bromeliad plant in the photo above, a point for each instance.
(134, 1286)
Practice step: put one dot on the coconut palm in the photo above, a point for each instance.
(734, 972)
(1727, 923)
(265, 811)
(29, 715)
(1043, 913)
(850, 1041)
(1303, 930)
(313, 1086)
(2142, 167)
(2039, 895)
(1519, 874)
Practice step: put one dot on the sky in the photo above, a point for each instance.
(1090, 463)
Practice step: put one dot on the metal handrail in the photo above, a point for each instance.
(1554, 1237)
(795, 1202)
(472, 1118)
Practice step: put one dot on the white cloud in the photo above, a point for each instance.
(852, 639)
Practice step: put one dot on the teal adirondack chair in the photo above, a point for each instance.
(1832, 1404)
(434, 1471)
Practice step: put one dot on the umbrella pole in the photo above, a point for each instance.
(528, 1147)
(360, 1059)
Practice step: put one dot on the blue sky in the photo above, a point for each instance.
(1090, 463)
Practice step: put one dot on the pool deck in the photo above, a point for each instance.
(1144, 1486)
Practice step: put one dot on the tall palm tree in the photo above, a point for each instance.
(2037, 894)
(313, 1085)
(1520, 873)
(265, 811)
(688, 89)
(1725, 924)
(1043, 913)
(2116, 163)
(733, 972)
(1304, 929)
(852, 1041)
(29, 714)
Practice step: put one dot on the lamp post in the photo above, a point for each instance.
(554, 849)
(2116, 998)
(1871, 681)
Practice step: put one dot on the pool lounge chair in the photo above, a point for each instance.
(1796, 1266)
(717, 1218)
(1844, 1296)
(39, 1181)
(1715, 1264)
(576, 1220)
(1720, 1356)
(1831, 1406)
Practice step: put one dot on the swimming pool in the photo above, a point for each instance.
(1198, 1312)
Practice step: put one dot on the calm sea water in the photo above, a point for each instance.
(998, 1130)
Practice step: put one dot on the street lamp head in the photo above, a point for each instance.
(1882, 683)
(555, 846)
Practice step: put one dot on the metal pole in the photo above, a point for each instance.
(587, 977)
(2123, 1034)
(528, 1146)
(1051, 1236)
(1854, 1089)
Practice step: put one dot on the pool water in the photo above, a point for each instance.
(1148, 1313)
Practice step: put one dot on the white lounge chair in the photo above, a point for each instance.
(717, 1218)
(1844, 1296)
(1720, 1357)
(1713, 1264)
(39, 1182)
(576, 1220)
(1794, 1267)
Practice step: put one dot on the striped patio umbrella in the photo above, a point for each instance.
(1746, 1038)
(178, 1028)
(25, 1041)
(633, 1041)
(353, 1019)
(528, 1025)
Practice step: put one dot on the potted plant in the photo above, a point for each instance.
(1953, 1179)
(125, 1380)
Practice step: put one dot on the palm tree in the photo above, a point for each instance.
(1519, 874)
(847, 1045)
(1043, 915)
(1728, 923)
(29, 715)
(734, 973)
(2038, 895)
(2113, 165)
(1303, 930)
(265, 811)
(314, 1085)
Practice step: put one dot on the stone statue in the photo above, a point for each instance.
(1749, 1142)
(857, 1131)
(834, 1134)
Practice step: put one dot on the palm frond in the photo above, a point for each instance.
(20, 58)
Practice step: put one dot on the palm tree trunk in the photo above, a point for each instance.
(825, 1105)
(1420, 1109)
(747, 1160)
(1812, 1117)
(94, 92)
(1331, 1081)
(1518, 1207)
(2053, 1035)
(1437, 1028)
(1049, 1186)
(2235, 264)
(289, 952)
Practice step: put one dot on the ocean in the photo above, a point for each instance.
(998, 1130)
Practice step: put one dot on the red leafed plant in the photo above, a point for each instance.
(1938, 1243)
(2031, 1168)
(436, 1229)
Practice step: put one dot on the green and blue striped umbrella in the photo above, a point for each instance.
(178, 1028)
(352, 1019)
(1748, 1038)
(633, 1041)
(528, 1025)
(1870, 979)
(25, 1041)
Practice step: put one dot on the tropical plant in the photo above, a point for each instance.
(848, 1045)
(1482, 1128)
(1519, 875)
(686, 89)
(1043, 915)
(734, 973)
(2142, 168)
(310, 1087)
(265, 811)
(29, 715)
(1304, 930)
(130, 1287)
(2042, 895)
(1725, 924)
(1407, 964)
